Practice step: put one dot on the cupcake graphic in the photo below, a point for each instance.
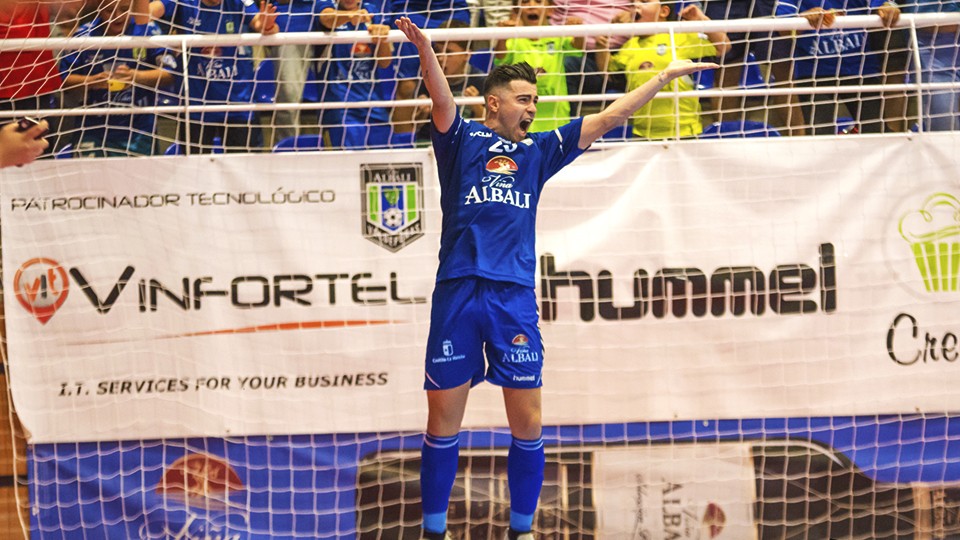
(933, 232)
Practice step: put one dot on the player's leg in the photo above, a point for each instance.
(454, 362)
(515, 358)
(525, 459)
(439, 455)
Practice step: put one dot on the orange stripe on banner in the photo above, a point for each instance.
(277, 327)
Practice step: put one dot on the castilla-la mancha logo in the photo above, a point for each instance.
(932, 232)
(392, 203)
(41, 286)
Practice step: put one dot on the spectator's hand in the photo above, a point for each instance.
(821, 18)
(378, 32)
(414, 34)
(622, 17)
(510, 21)
(97, 81)
(889, 13)
(268, 18)
(573, 20)
(21, 147)
(122, 72)
(422, 112)
(471, 91)
(693, 13)
(360, 16)
(601, 43)
(681, 68)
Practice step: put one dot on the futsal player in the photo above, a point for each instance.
(484, 320)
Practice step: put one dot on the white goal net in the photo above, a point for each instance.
(746, 338)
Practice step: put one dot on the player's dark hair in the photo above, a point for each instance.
(504, 74)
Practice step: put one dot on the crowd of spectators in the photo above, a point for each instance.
(375, 70)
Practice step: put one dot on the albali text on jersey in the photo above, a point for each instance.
(489, 191)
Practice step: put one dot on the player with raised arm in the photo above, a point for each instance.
(484, 320)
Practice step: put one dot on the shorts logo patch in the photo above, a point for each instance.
(448, 355)
(520, 351)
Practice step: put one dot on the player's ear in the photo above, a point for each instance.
(493, 103)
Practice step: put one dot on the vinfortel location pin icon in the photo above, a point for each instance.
(41, 286)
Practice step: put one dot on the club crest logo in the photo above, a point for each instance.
(392, 203)
(502, 165)
(41, 286)
(520, 340)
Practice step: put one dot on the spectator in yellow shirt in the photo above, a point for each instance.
(546, 55)
(642, 57)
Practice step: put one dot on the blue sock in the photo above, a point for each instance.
(438, 470)
(525, 478)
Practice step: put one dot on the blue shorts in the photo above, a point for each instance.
(483, 329)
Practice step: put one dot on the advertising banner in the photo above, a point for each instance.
(290, 293)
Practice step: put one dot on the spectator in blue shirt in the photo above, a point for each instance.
(116, 78)
(844, 57)
(219, 75)
(292, 61)
(355, 72)
(411, 124)
(425, 14)
(940, 63)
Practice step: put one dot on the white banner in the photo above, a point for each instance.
(289, 293)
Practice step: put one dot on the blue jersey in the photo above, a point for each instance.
(489, 191)
(117, 128)
(351, 74)
(298, 15)
(436, 10)
(216, 75)
(832, 52)
(929, 6)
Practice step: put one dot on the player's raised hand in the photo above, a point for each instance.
(413, 33)
(680, 68)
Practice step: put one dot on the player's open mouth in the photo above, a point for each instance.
(525, 124)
